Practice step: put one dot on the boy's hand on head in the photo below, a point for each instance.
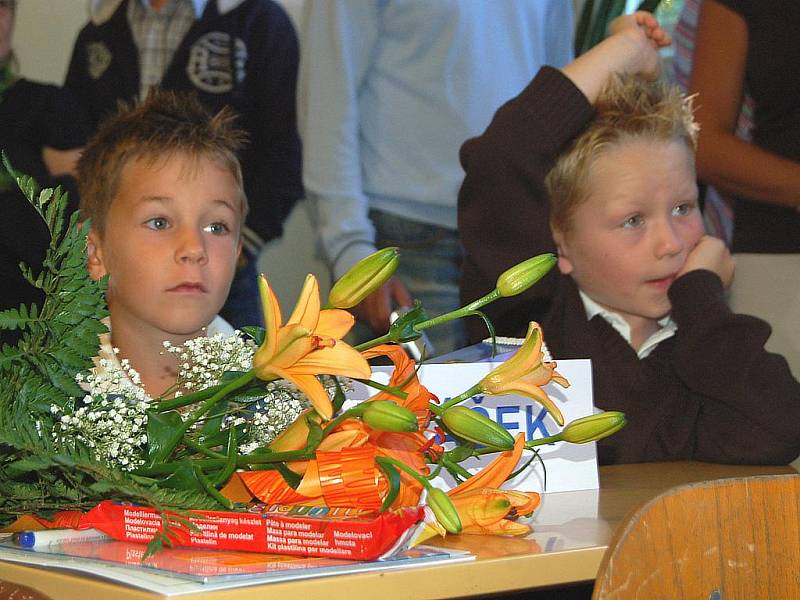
(712, 255)
(643, 36)
(641, 19)
(632, 48)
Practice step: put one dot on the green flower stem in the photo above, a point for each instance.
(182, 401)
(439, 409)
(459, 313)
(198, 447)
(241, 461)
(384, 339)
(542, 441)
(385, 460)
(396, 392)
(177, 435)
(455, 467)
(348, 414)
(210, 489)
(231, 386)
(530, 445)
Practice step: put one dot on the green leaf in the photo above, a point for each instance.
(182, 478)
(402, 330)
(257, 333)
(163, 432)
(393, 476)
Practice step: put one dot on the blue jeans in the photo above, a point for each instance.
(243, 306)
(430, 267)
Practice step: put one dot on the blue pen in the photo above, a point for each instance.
(40, 539)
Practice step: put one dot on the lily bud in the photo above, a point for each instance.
(520, 277)
(475, 427)
(446, 513)
(366, 276)
(385, 415)
(593, 427)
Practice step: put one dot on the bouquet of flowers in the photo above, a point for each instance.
(262, 414)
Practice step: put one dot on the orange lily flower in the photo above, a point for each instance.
(309, 344)
(525, 373)
(491, 510)
(352, 442)
(484, 508)
(405, 447)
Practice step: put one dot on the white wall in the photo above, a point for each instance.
(44, 34)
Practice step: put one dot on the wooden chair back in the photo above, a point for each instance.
(717, 540)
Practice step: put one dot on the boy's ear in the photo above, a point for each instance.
(564, 262)
(94, 256)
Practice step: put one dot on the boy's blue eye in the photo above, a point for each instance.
(157, 223)
(633, 221)
(683, 209)
(217, 228)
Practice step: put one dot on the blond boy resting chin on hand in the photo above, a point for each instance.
(597, 162)
(163, 189)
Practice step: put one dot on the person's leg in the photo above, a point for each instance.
(243, 306)
(430, 267)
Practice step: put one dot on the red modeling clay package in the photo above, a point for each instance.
(277, 529)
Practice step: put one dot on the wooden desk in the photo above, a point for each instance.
(571, 533)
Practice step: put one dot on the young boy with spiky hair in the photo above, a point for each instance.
(607, 159)
(162, 186)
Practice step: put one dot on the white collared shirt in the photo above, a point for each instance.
(668, 327)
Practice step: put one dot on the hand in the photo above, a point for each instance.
(61, 162)
(632, 48)
(712, 255)
(376, 308)
(642, 32)
(642, 19)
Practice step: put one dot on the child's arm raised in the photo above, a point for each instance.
(502, 204)
(631, 49)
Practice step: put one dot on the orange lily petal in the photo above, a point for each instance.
(524, 503)
(340, 359)
(272, 315)
(523, 359)
(306, 310)
(335, 323)
(270, 487)
(523, 388)
(502, 527)
(312, 388)
(293, 343)
(293, 437)
(482, 509)
(496, 472)
(351, 438)
(235, 490)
